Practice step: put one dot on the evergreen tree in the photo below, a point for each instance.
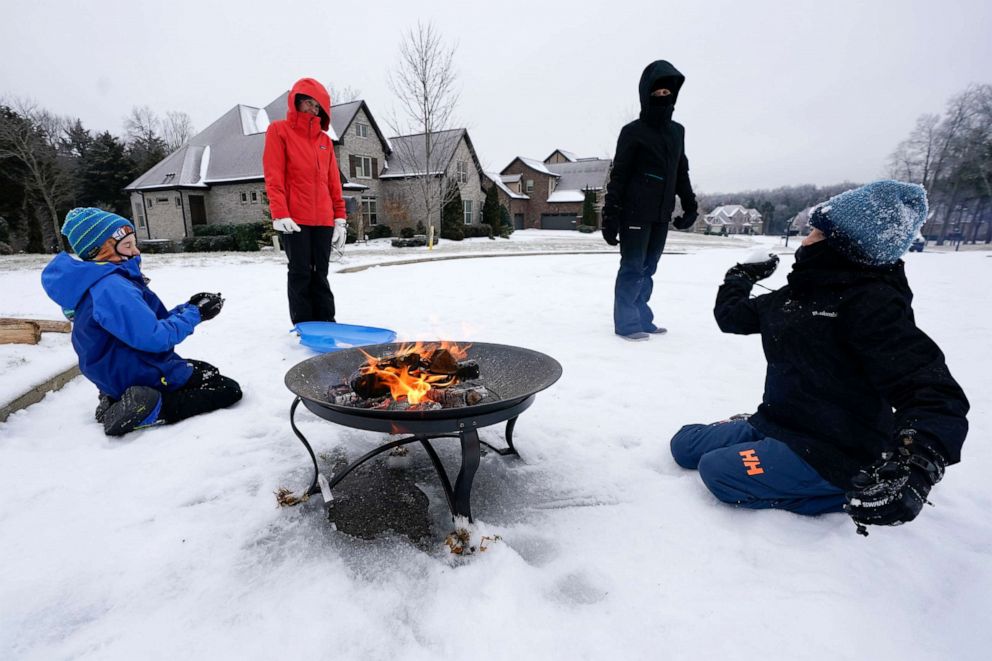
(453, 215)
(490, 209)
(589, 209)
(104, 171)
(145, 152)
(505, 222)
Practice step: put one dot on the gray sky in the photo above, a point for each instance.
(776, 93)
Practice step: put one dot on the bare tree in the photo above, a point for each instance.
(423, 83)
(177, 129)
(30, 136)
(344, 94)
(142, 124)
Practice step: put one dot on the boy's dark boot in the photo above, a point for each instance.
(138, 407)
(106, 401)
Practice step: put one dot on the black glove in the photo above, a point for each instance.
(893, 490)
(209, 304)
(753, 271)
(611, 230)
(685, 221)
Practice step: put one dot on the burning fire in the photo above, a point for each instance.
(406, 380)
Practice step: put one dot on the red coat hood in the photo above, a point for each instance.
(315, 90)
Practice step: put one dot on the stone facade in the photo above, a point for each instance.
(353, 144)
(235, 203)
(403, 199)
(169, 214)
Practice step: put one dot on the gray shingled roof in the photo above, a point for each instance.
(579, 175)
(409, 153)
(232, 147)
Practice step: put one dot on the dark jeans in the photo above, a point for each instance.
(640, 249)
(207, 390)
(745, 468)
(309, 252)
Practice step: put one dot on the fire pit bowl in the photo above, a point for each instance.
(511, 375)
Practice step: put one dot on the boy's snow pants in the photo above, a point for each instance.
(743, 467)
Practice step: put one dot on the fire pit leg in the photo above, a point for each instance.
(503, 452)
(471, 453)
(313, 488)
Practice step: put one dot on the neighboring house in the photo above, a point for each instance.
(509, 195)
(453, 160)
(800, 222)
(732, 219)
(554, 188)
(217, 177)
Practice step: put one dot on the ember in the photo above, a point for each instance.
(419, 377)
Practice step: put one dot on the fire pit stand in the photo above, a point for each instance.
(500, 365)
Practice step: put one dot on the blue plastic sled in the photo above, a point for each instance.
(326, 336)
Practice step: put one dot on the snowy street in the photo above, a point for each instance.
(168, 543)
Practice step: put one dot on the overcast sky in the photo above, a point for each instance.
(776, 93)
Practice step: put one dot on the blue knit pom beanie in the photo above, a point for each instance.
(874, 224)
(88, 228)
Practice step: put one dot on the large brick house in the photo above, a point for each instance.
(453, 161)
(217, 177)
(549, 194)
(731, 219)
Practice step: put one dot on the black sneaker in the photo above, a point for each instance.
(657, 330)
(106, 401)
(137, 408)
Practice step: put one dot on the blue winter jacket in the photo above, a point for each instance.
(121, 332)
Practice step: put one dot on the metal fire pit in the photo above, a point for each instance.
(512, 375)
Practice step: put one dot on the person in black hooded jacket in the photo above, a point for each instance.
(859, 412)
(649, 169)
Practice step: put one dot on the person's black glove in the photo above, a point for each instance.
(753, 271)
(685, 221)
(894, 489)
(209, 304)
(611, 230)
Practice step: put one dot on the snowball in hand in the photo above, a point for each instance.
(757, 255)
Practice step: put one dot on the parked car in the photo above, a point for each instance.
(918, 243)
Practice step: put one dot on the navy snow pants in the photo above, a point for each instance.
(640, 249)
(743, 467)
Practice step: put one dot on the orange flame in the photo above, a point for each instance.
(413, 385)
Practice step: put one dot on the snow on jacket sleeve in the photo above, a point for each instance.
(622, 161)
(683, 187)
(274, 170)
(334, 186)
(120, 309)
(908, 368)
(735, 311)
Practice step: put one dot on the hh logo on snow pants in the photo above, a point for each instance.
(751, 462)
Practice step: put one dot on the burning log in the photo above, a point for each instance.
(457, 397)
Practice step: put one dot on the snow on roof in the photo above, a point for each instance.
(537, 165)
(580, 175)
(567, 196)
(567, 154)
(510, 178)
(499, 181)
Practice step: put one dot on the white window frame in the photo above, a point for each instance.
(529, 186)
(462, 172)
(467, 211)
(361, 171)
(370, 210)
(244, 197)
(139, 215)
(362, 130)
(254, 197)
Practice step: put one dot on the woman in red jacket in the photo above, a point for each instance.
(304, 188)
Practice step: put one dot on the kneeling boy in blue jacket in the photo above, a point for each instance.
(124, 336)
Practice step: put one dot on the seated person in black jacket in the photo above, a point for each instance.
(860, 412)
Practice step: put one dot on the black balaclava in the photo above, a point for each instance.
(657, 110)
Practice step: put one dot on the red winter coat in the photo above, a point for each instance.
(301, 172)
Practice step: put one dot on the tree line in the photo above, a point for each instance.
(51, 163)
(951, 156)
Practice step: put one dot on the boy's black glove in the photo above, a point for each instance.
(209, 304)
(611, 229)
(685, 221)
(893, 490)
(753, 271)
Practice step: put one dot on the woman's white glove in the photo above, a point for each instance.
(285, 225)
(340, 236)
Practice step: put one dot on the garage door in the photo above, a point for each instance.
(552, 222)
(518, 221)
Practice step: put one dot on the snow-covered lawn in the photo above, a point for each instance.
(168, 543)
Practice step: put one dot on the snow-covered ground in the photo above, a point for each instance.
(168, 543)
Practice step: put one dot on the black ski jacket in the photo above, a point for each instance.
(847, 366)
(650, 166)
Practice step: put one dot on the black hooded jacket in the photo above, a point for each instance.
(650, 166)
(847, 366)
